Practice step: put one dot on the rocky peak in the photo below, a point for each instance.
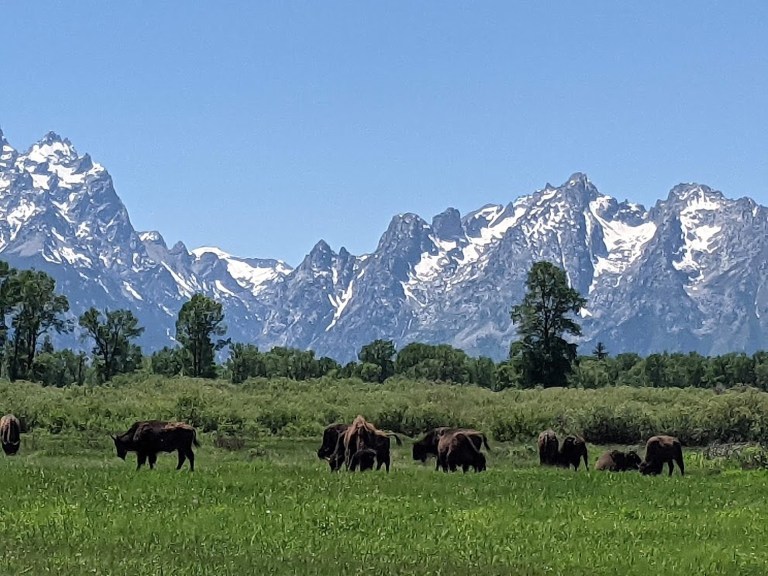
(447, 225)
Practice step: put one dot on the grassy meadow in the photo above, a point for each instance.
(260, 502)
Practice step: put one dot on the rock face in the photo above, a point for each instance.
(689, 274)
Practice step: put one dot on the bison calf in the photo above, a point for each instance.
(618, 461)
(365, 459)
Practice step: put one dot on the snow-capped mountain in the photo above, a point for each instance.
(691, 273)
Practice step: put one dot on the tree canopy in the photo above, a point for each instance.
(543, 355)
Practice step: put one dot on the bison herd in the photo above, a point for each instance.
(362, 446)
(659, 450)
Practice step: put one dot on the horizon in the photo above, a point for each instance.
(263, 129)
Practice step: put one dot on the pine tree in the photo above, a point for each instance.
(542, 355)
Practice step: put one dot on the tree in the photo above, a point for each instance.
(542, 355)
(36, 310)
(600, 352)
(58, 368)
(199, 320)
(245, 361)
(378, 353)
(167, 362)
(7, 275)
(112, 340)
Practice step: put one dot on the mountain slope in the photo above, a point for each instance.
(688, 274)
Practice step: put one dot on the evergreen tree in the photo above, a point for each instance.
(542, 355)
(112, 337)
(199, 320)
(600, 352)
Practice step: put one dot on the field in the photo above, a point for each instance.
(278, 510)
(260, 502)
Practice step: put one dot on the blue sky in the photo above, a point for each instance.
(262, 127)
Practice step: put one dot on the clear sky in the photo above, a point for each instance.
(262, 127)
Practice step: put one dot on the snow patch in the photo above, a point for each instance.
(131, 291)
(623, 242)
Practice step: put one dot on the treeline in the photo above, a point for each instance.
(31, 310)
(301, 409)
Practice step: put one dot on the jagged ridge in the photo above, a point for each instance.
(688, 274)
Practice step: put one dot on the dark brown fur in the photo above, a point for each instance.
(367, 437)
(365, 459)
(149, 437)
(660, 450)
(360, 435)
(457, 449)
(571, 452)
(10, 434)
(330, 439)
(428, 446)
(548, 448)
(618, 461)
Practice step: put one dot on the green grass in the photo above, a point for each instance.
(276, 509)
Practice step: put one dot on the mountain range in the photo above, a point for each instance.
(688, 274)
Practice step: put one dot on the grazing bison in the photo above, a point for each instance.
(571, 452)
(618, 461)
(428, 445)
(330, 440)
(150, 437)
(364, 458)
(457, 448)
(10, 434)
(660, 450)
(548, 448)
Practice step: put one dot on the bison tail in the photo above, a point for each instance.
(396, 437)
(194, 439)
(485, 442)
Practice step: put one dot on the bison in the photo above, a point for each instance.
(457, 448)
(660, 450)
(330, 440)
(147, 438)
(382, 448)
(334, 450)
(618, 461)
(428, 446)
(365, 459)
(10, 434)
(548, 448)
(571, 452)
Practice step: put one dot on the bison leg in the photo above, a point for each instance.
(191, 458)
(671, 467)
(140, 459)
(152, 461)
(182, 457)
(679, 460)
